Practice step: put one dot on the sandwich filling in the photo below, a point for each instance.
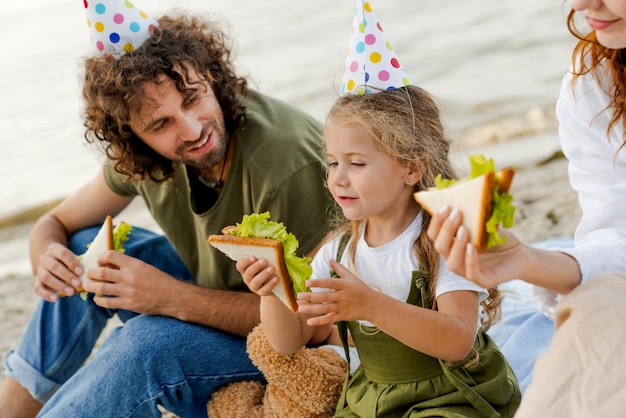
(258, 225)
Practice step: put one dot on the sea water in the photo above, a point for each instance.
(495, 66)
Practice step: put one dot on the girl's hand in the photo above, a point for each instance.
(488, 268)
(347, 298)
(258, 275)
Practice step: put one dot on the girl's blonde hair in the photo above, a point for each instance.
(588, 56)
(406, 124)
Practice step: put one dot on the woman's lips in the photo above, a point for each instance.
(597, 24)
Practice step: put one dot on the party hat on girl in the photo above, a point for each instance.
(372, 65)
(117, 26)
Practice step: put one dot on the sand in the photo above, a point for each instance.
(546, 207)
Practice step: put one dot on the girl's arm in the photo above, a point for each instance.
(286, 331)
(447, 333)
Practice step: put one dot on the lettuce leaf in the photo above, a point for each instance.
(120, 236)
(259, 225)
(503, 212)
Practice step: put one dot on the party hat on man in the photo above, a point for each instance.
(372, 65)
(117, 26)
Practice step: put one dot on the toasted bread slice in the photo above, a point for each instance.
(504, 178)
(102, 242)
(270, 249)
(473, 198)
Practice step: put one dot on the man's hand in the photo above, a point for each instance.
(57, 273)
(123, 282)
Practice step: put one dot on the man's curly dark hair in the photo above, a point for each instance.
(182, 46)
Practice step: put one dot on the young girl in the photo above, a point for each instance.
(592, 111)
(418, 328)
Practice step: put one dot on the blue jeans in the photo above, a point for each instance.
(150, 360)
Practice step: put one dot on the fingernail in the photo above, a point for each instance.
(469, 249)
(460, 232)
(78, 271)
(69, 291)
(76, 282)
(454, 214)
(443, 209)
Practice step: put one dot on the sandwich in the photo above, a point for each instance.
(260, 237)
(483, 198)
(107, 238)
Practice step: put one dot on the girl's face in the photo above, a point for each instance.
(364, 180)
(607, 18)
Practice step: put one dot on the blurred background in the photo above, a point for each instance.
(494, 65)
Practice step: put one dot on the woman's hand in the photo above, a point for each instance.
(489, 268)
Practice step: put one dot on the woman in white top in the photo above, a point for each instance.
(587, 349)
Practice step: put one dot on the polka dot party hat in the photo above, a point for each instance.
(117, 26)
(372, 64)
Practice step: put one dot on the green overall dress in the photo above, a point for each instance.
(395, 380)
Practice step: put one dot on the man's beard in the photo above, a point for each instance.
(212, 158)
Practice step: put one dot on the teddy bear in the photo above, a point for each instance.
(305, 384)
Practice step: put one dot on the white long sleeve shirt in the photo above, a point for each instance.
(597, 172)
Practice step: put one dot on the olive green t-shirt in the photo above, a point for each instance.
(277, 166)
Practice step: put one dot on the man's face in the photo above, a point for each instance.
(183, 127)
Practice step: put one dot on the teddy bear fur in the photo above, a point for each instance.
(305, 384)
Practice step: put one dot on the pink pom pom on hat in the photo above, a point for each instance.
(372, 65)
(117, 26)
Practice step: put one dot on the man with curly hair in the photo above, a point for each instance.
(181, 130)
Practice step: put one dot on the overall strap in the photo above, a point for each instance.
(342, 326)
(340, 250)
(475, 398)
